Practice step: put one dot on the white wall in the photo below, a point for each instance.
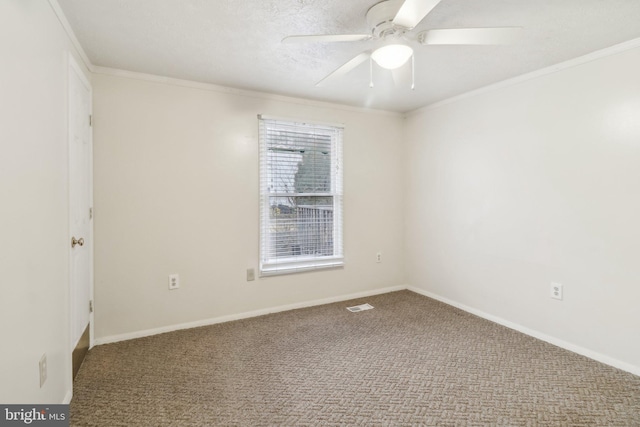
(176, 191)
(34, 252)
(505, 192)
(534, 183)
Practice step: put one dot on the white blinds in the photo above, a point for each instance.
(301, 196)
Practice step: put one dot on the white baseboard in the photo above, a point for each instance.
(533, 333)
(245, 315)
(527, 331)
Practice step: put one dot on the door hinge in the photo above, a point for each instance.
(90, 213)
(90, 306)
(90, 120)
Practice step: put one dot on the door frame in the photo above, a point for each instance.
(74, 67)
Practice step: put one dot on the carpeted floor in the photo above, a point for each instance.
(409, 361)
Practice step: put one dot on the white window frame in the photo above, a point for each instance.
(286, 265)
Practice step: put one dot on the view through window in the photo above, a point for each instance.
(301, 196)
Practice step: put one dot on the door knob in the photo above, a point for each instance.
(75, 242)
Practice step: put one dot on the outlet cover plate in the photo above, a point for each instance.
(556, 291)
(174, 281)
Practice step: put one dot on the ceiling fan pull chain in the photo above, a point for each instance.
(413, 72)
(370, 72)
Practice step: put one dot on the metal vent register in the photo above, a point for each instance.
(360, 307)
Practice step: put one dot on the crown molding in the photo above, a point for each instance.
(571, 63)
(95, 69)
(593, 56)
(153, 78)
(72, 36)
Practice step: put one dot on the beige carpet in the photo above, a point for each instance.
(409, 361)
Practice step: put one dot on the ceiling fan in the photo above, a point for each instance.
(391, 23)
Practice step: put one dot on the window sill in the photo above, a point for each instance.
(302, 268)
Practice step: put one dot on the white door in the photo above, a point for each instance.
(80, 199)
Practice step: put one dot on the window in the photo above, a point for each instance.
(300, 196)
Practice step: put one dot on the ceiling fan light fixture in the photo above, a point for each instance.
(392, 56)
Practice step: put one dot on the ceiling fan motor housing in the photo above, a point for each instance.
(380, 18)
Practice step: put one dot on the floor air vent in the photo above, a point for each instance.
(360, 307)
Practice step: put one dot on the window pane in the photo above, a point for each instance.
(300, 226)
(298, 165)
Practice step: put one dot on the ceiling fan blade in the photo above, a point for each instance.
(478, 36)
(326, 38)
(413, 11)
(346, 67)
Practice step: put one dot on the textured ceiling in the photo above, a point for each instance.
(237, 43)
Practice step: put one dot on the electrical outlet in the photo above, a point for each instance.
(251, 274)
(556, 291)
(379, 257)
(43, 369)
(174, 281)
